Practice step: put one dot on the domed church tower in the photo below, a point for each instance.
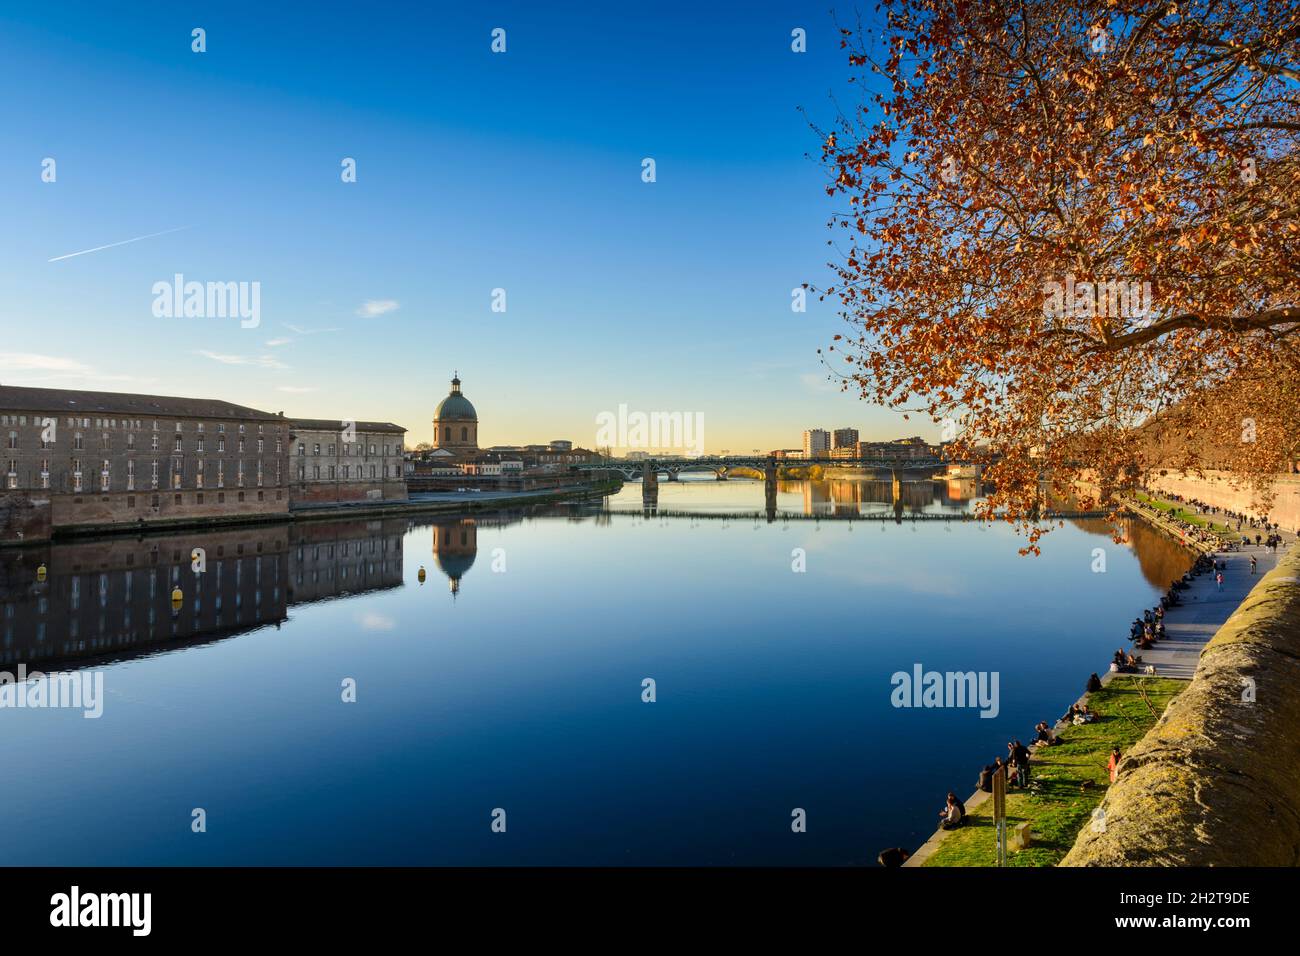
(455, 425)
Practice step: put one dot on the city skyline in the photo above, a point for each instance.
(226, 166)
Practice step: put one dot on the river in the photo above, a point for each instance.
(510, 685)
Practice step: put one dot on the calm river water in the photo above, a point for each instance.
(512, 679)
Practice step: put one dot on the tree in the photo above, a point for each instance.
(1069, 219)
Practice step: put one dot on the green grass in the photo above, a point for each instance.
(1067, 781)
(1178, 511)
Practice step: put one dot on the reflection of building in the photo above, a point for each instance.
(455, 428)
(332, 559)
(111, 599)
(455, 544)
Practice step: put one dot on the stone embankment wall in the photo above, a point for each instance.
(1216, 782)
(1215, 489)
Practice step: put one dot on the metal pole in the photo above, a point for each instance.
(1000, 813)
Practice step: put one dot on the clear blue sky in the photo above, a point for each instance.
(475, 171)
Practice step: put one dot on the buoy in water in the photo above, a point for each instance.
(421, 574)
(40, 573)
(177, 597)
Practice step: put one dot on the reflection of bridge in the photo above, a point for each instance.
(722, 466)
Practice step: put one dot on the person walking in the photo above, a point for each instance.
(1218, 579)
(1252, 564)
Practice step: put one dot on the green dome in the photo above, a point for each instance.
(455, 407)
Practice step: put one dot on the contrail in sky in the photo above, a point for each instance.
(122, 243)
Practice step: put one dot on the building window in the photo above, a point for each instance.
(221, 445)
(464, 433)
(178, 499)
(154, 442)
(77, 442)
(372, 471)
(302, 472)
(331, 450)
(199, 446)
(13, 440)
(315, 472)
(315, 449)
(372, 449)
(261, 445)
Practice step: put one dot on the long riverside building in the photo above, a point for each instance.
(78, 460)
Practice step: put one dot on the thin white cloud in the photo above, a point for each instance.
(31, 362)
(58, 370)
(112, 245)
(374, 307)
(272, 343)
(261, 361)
(297, 330)
(376, 622)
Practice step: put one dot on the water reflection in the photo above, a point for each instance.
(483, 689)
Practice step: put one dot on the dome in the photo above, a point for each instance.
(455, 407)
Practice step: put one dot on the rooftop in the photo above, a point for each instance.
(73, 401)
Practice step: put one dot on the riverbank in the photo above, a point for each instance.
(454, 503)
(1066, 782)
(1216, 782)
(1189, 627)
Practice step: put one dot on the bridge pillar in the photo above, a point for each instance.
(649, 475)
(672, 474)
(769, 489)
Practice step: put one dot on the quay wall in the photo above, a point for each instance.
(1216, 782)
(1215, 489)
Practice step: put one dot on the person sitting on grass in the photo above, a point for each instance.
(1084, 716)
(953, 812)
(894, 856)
(1043, 733)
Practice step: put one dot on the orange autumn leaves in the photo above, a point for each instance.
(1017, 148)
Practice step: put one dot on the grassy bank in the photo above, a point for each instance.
(1175, 510)
(1067, 781)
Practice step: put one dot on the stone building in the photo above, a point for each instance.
(335, 461)
(455, 428)
(76, 458)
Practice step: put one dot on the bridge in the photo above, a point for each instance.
(722, 466)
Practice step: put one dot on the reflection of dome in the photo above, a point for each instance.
(455, 544)
(455, 407)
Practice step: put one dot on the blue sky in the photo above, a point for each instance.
(475, 171)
